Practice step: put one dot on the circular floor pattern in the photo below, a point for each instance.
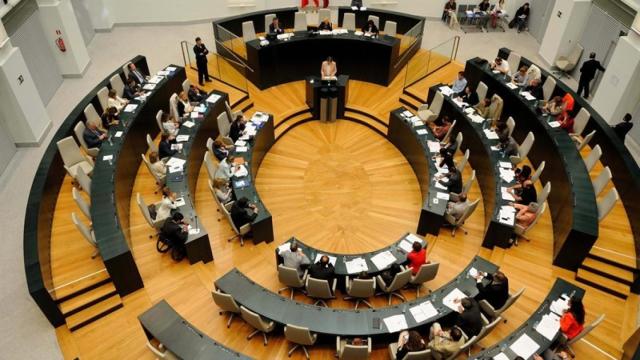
(340, 187)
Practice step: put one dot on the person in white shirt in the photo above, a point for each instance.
(329, 69)
(459, 84)
(116, 101)
(168, 203)
(500, 65)
(169, 125)
(226, 168)
(223, 191)
(157, 166)
(184, 106)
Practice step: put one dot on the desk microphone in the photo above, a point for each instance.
(196, 217)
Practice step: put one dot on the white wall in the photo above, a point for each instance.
(565, 27)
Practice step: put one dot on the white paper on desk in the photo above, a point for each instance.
(363, 8)
(442, 196)
(245, 137)
(406, 245)
(200, 109)
(473, 272)
(240, 143)
(495, 148)
(505, 165)
(107, 157)
(213, 98)
(176, 162)
(188, 124)
(149, 86)
(163, 73)
(260, 117)
(507, 174)
(455, 294)
(512, 86)
(356, 265)
(354, 8)
(506, 195)
(118, 134)
(358, 33)
(490, 134)
(422, 132)
(524, 346)
(559, 306)
(554, 124)
(241, 171)
(332, 259)
(176, 146)
(194, 115)
(416, 121)
(194, 231)
(459, 102)
(434, 146)
(549, 326)
(240, 149)
(182, 138)
(469, 111)
(395, 323)
(408, 114)
(179, 202)
(284, 247)
(413, 238)
(501, 356)
(496, 71)
(423, 311)
(383, 260)
(476, 119)
(175, 169)
(250, 131)
(445, 90)
(171, 68)
(527, 95)
(155, 79)
(130, 108)
(440, 186)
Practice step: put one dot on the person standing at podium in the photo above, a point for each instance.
(201, 52)
(274, 27)
(329, 69)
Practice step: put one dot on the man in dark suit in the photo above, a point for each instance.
(587, 73)
(92, 135)
(132, 89)
(164, 148)
(452, 180)
(135, 74)
(356, 3)
(496, 291)
(274, 27)
(322, 270)
(242, 212)
(174, 231)
(201, 52)
(623, 128)
(469, 317)
(237, 128)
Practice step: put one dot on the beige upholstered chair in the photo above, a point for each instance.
(426, 273)
(376, 20)
(300, 21)
(160, 180)
(125, 70)
(465, 187)
(72, 157)
(349, 21)
(548, 87)
(497, 313)
(352, 352)
(155, 224)
(538, 172)
(593, 157)
(522, 231)
(399, 281)
(566, 64)
(523, 149)
(464, 348)
(463, 162)
(83, 205)
(579, 124)
(258, 323)
(103, 98)
(153, 147)
(268, 19)
(161, 352)
(390, 28)
(511, 125)
(224, 126)
(360, 290)
(79, 131)
(186, 85)
(117, 84)
(601, 181)
(587, 329)
(84, 181)
(230, 113)
(159, 120)
(582, 142)
(544, 194)
(324, 14)
(86, 232)
(413, 355)
(606, 204)
(429, 113)
(514, 61)
(487, 329)
(239, 233)
(289, 277)
(320, 290)
(248, 31)
(482, 90)
(173, 106)
(227, 304)
(301, 337)
(447, 136)
(210, 165)
(456, 224)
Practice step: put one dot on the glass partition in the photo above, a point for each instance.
(410, 37)
(427, 62)
(226, 70)
(231, 41)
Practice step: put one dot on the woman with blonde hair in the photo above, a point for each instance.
(223, 191)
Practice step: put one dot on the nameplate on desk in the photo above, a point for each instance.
(130, 108)
(155, 79)
(149, 86)
(107, 157)
(179, 202)
(118, 134)
(182, 138)
(175, 169)
(188, 124)
(163, 73)
(213, 98)
(241, 149)
(171, 68)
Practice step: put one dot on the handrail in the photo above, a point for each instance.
(452, 56)
(239, 61)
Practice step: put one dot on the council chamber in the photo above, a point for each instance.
(324, 179)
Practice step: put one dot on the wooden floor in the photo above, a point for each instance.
(350, 191)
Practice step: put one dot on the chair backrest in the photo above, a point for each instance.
(427, 272)
(298, 335)
(70, 152)
(580, 121)
(173, 107)
(349, 21)
(225, 302)
(117, 84)
(468, 211)
(213, 193)
(152, 146)
(224, 125)
(511, 124)
(210, 147)
(436, 103)
(486, 330)
(585, 141)
(159, 119)
(210, 166)
(186, 85)
(593, 157)
(526, 145)
(538, 172)
(144, 209)
(317, 288)
(514, 61)
(418, 355)
(289, 276)
(448, 134)
(79, 130)
(268, 18)
(376, 20)
(587, 329)
(125, 70)
(324, 14)
(495, 109)
(459, 139)
(81, 202)
(548, 87)
(510, 301)
(362, 288)
(400, 280)
(539, 213)
(463, 348)
(544, 194)
(103, 97)
(355, 352)
(464, 161)
(248, 31)
(84, 180)
(228, 110)
(253, 319)
(482, 90)
(91, 114)
(602, 180)
(467, 185)
(606, 204)
(86, 232)
(148, 165)
(390, 28)
(226, 213)
(300, 21)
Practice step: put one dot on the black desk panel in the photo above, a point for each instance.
(560, 287)
(313, 86)
(330, 322)
(112, 182)
(415, 149)
(572, 201)
(233, 24)
(163, 323)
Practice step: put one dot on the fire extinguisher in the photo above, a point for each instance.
(60, 42)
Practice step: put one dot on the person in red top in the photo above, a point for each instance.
(416, 257)
(567, 103)
(572, 322)
(566, 120)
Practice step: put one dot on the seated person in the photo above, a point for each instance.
(223, 190)
(170, 125)
(572, 321)
(389, 274)
(167, 204)
(294, 258)
(220, 150)
(457, 207)
(483, 108)
(92, 135)
(521, 18)
(116, 101)
(158, 167)
(370, 28)
(523, 174)
(469, 316)
(196, 95)
(237, 127)
(445, 342)
(132, 90)
(566, 120)
(470, 97)
(242, 212)
(520, 78)
(449, 6)
(274, 27)
(409, 341)
(184, 106)
(496, 291)
(226, 168)
(164, 148)
(135, 74)
(453, 179)
(174, 230)
(535, 89)
(502, 129)
(325, 25)
(500, 65)
(109, 118)
(329, 69)
(416, 257)
(568, 102)
(525, 214)
(484, 5)
(441, 131)
(553, 107)
(508, 145)
(534, 73)
(322, 270)
(460, 84)
(524, 193)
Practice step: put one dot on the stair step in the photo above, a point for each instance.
(93, 313)
(290, 114)
(613, 259)
(413, 96)
(82, 286)
(604, 268)
(283, 127)
(603, 283)
(89, 298)
(410, 102)
(376, 125)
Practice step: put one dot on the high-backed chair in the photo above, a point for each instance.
(210, 165)
(495, 109)
(239, 233)
(230, 113)
(160, 180)
(447, 136)
(582, 142)
(72, 157)
(91, 114)
(360, 290)
(459, 139)
(587, 329)
(156, 223)
(601, 181)
(349, 21)
(258, 323)
(79, 131)
(186, 85)
(268, 19)
(320, 290)
(153, 147)
(493, 314)
(579, 123)
(544, 194)
(514, 61)
(83, 205)
(566, 64)
(548, 87)
(593, 157)
(300, 336)
(84, 181)
(390, 28)
(399, 281)
(224, 125)
(300, 21)
(523, 149)
(465, 187)
(464, 348)
(511, 125)
(289, 277)
(487, 329)
(459, 224)
(606, 204)
(227, 304)
(376, 20)
(173, 106)
(248, 31)
(87, 233)
(429, 113)
(125, 70)
(482, 90)
(103, 98)
(161, 352)
(159, 119)
(324, 14)
(538, 172)
(352, 352)
(412, 355)
(463, 162)
(426, 273)
(117, 84)
(522, 231)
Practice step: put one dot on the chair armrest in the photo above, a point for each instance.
(305, 275)
(487, 308)
(423, 107)
(333, 286)
(337, 345)
(347, 283)
(245, 229)
(369, 344)
(381, 283)
(89, 160)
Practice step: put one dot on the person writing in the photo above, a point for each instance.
(132, 90)
(496, 291)
(329, 69)
(587, 73)
(201, 52)
(274, 27)
(164, 148)
(227, 167)
(535, 89)
(621, 129)
(409, 341)
(322, 270)
(169, 125)
(470, 97)
(295, 258)
(508, 145)
(459, 84)
(237, 127)
(370, 29)
(445, 342)
(572, 321)
(553, 107)
(416, 257)
(243, 212)
(500, 65)
(325, 25)
(223, 190)
(220, 150)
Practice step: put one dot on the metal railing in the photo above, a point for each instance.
(426, 63)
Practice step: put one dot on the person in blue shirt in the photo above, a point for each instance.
(459, 84)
